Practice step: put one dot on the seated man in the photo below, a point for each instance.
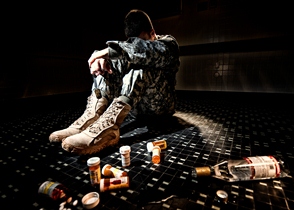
(138, 74)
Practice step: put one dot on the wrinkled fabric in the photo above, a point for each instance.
(145, 71)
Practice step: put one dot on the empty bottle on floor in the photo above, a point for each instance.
(125, 155)
(110, 171)
(114, 183)
(248, 168)
(161, 143)
(156, 154)
(94, 170)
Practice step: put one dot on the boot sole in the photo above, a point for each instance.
(91, 149)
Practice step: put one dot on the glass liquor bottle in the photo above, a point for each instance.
(248, 168)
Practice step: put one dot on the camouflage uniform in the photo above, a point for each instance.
(145, 71)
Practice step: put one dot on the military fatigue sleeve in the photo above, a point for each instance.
(161, 53)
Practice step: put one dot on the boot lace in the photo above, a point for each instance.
(107, 119)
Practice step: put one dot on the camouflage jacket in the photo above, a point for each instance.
(150, 68)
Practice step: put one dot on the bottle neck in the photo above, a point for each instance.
(203, 171)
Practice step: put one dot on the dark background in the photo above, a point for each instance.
(226, 46)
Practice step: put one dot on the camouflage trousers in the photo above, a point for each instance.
(151, 94)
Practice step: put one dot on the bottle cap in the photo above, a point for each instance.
(105, 170)
(93, 161)
(124, 149)
(149, 146)
(222, 196)
(90, 200)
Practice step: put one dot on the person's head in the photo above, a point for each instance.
(138, 24)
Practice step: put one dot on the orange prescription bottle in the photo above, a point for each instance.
(110, 171)
(94, 170)
(114, 183)
(161, 143)
(55, 191)
(156, 154)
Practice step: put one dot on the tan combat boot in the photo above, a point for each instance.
(95, 108)
(102, 133)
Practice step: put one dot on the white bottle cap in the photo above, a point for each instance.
(124, 149)
(105, 169)
(93, 161)
(91, 200)
(149, 146)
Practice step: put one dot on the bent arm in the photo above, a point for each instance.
(161, 53)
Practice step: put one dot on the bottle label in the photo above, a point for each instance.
(156, 152)
(115, 183)
(47, 188)
(260, 167)
(263, 167)
(95, 176)
(116, 172)
(125, 159)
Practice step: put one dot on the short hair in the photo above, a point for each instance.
(137, 21)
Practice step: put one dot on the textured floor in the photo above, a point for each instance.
(204, 131)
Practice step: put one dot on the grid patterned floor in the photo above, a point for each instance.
(204, 131)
